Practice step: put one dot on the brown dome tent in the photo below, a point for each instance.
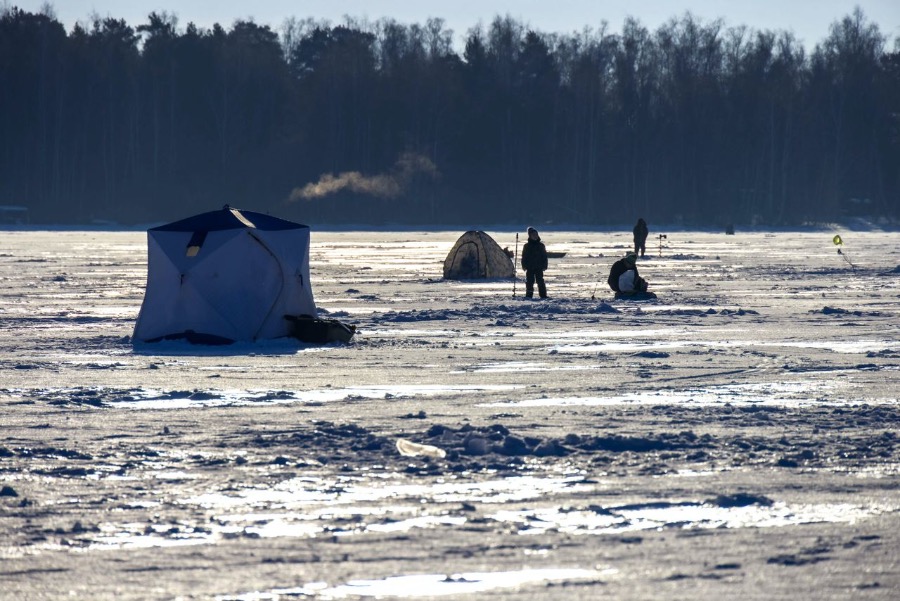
(475, 255)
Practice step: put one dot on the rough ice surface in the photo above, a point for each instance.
(736, 437)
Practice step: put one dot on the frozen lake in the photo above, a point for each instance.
(735, 438)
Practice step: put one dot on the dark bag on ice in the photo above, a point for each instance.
(319, 331)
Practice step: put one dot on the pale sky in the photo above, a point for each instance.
(808, 19)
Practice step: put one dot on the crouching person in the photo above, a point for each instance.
(625, 280)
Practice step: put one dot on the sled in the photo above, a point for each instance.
(306, 328)
(635, 296)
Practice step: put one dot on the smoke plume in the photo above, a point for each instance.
(383, 185)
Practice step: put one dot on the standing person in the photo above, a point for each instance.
(534, 262)
(640, 236)
(624, 277)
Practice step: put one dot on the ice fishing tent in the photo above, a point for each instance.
(476, 255)
(225, 276)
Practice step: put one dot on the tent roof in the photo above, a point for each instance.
(228, 219)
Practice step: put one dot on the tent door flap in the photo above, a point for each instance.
(194, 244)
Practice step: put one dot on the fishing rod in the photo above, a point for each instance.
(515, 263)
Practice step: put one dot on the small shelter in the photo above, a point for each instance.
(225, 276)
(476, 255)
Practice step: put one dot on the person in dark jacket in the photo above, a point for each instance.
(624, 277)
(640, 236)
(534, 262)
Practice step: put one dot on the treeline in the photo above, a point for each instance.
(389, 123)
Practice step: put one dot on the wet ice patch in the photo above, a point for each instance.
(671, 342)
(308, 507)
(794, 393)
(147, 398)
(598, 346)
(299, 493)
(436, 585)
(427, 521)
(520, 367)
(857, 347)
(328, 395)
(143, 536)
(657, 516)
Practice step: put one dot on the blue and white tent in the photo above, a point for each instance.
(225, 276)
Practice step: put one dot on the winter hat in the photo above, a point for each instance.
(631, 258)
(532, 233)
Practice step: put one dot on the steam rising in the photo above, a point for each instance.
(383, 185)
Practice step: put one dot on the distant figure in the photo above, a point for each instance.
(624, 277)
(640, 236)
(534, 262)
